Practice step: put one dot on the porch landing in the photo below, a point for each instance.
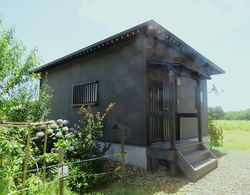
(192, 157)
(179, 143)
(161, 150)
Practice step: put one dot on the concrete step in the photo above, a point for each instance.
(203, 167)
(197, 156)
(190, 148)
(195, 161)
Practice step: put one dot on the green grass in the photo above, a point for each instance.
(236, 140)
(233, 124)
(236, 134)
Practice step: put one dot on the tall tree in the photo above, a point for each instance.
(15, 61)
(18, 88)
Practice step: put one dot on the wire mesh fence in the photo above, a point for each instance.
(62, 167)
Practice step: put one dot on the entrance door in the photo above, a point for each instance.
(158, 111)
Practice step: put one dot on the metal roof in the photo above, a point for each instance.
(149, 28)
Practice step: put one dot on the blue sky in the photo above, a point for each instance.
(220, 30)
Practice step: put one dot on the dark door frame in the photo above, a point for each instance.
(157, 111)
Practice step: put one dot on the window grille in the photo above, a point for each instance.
(85, 93)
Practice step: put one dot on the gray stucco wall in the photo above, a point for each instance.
(186, 103)
(186, 97)
(121, 74)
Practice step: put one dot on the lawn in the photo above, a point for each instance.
(236, 134)
(233, 124)
(236, 140)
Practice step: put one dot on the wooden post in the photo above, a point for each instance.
(44, 152)
(172, 109)
(123, 159)
(173, 163)
(26, 158)
(172, 121)
(1, 155)
(61, 183)
(199, 107)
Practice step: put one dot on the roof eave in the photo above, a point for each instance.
(108, 42)
(129, 34)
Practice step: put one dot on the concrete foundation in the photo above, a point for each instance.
(135, 155)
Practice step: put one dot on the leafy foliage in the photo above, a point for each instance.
(18, 88)
(216, 113)
(36, 186)
(20, 100)
(24, 104)
(86, 146)
(215, 134)
(15, 61)
(236, 133)
(237, 115)
(12, 146)
(79, 143)
(40, 107)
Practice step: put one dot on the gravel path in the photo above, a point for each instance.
(231, 177)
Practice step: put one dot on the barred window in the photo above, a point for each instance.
(85, 93)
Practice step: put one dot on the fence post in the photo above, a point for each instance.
(61, 183)
(1, 154)
(44, 151)
(26, 158)
(123, 159)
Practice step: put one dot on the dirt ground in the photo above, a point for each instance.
(231, 177)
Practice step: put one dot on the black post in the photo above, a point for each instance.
(172, 121)
(199, 107)
(172, 109)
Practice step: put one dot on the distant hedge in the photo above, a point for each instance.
(217, 113)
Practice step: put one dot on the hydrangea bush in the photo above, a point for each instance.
(79, 142)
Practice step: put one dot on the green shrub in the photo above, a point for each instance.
(79, 143)
(12, 151)
(215, 134)
(88, 132)
(24, 104)
(51, 187)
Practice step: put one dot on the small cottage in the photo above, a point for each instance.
(159, 85)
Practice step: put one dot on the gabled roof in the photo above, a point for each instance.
(159, 32)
